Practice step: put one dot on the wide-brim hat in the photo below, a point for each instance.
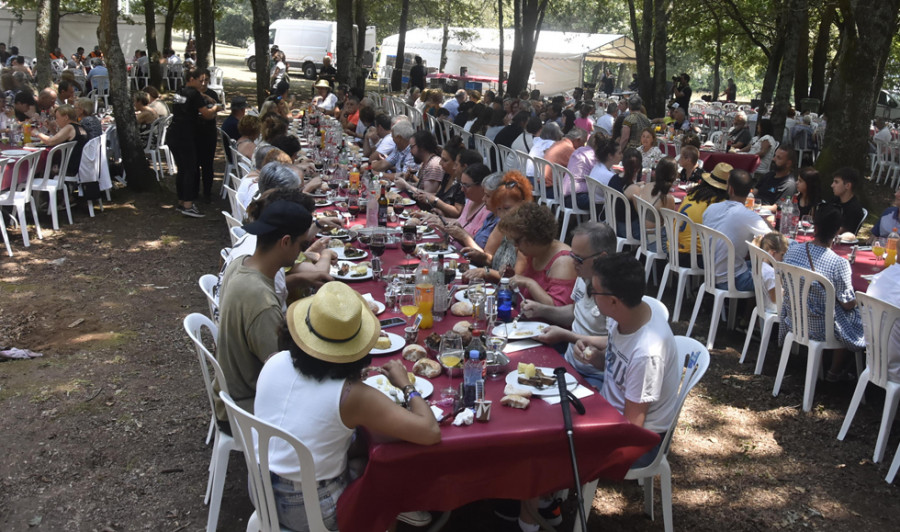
(322, 84)
(719, 176)
(334, 325)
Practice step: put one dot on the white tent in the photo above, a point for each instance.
(558, 59)
(74, 30)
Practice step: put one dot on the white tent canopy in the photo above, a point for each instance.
(558, 59)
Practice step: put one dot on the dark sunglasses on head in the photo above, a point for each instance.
(580, 260)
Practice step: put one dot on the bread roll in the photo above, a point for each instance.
(425, 367)
(464, 329)
(515, 401)
(413, 352)
(462, 308)
(373, 306)
(515, 390)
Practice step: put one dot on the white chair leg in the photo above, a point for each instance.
(663, 282)
(90, 205)
(679, 296)
(895, 465)
(23, 225)
(782, 364)
(53, 215)
(697, 305)
(665, 492)
(887, 419)
(813, 367)
(751, 326)
(648, 496)
(5, 236)
(587, 493)
(719, 300)
(220, 456)
(65, 193)
(212, 428)
(854, 404)
(763, 345)
(37, 223)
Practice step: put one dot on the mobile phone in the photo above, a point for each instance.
(392, 322)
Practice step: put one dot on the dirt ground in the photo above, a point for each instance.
(106, 431)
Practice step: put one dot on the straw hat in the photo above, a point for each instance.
(334, 325)
(719, 176)
(322, 84)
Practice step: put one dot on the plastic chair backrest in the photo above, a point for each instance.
(611, 197)
(508, 159)
(100, 84)
(880, 321)
(797, 283)
(646, 211)
(757, 257)
(27, 164)
(62, 153)
(674, 224)
(208, 284)
(541, 168)
(696, 362)
(862, 220)
(153, 134)
(237, 209)
(193, 326)
(228, 146)
(257, 436)
(710, 239)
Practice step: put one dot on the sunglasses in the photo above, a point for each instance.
(510, 184)
(580, 260)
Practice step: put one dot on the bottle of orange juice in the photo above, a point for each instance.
(26, 132)
(890, 248)
(425, 297)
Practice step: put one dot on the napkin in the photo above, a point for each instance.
(368, 297)
(438, 413)
(579, 391)
(519, 346)
(466, 417)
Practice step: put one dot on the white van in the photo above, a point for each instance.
(306, 42)
(888, 105)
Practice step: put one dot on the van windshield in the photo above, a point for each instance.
(271, 37)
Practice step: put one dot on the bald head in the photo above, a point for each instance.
(46, 99)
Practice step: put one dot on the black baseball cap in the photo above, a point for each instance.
(238, 102)
(280, 215)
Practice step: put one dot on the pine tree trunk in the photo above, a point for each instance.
(261, 41)
(140, 177)
(717, 64)
(776, 53)
(865, 46)
(500, 76)
(53, 37)
(344, 46)
(641, 47)
(169, 22)
(820, 55)
(42, 44)
(786, 74)
(397, 76)
(152, 48)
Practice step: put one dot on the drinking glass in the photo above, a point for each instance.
(878, 250)
(451, 355)
(398, 206)
(409, 305)
(408, 243)
(806, 223)
(378, 242)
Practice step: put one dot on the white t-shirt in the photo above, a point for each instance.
(606, 122)
(537, 150)
(281, 393)
(739, 224)
(601, 174)
(328, 103)
(768, 279)
(886, 287)
(588, 321)
(386, 146)
(247, 190)
(644, 367)
(883, 134)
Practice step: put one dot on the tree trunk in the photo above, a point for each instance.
(152, 48)
(206, 32)
(397, 76)
(140, 177)
(775, 56)
(172, 8)
(782, 102)
(801, 76)
(528, 18)
(502, 39)
(657, 106)
(865, 46)
(717, 62)
(361, 21)
(53, 37)
(261, 41)
(820, 55)
(42, 44)
(641, 47)
(445, 34)
(344, 46)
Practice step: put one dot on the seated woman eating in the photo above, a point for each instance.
(503, 193)
(326, 348)
(657, 193)
(470, 227)
(449, 199)
(68, 129)
(544, 270)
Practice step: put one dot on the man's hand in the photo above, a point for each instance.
(532, 309)
(553, 335)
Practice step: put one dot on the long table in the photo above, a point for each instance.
(710, 158)
(518, 454)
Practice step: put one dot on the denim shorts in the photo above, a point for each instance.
(289, 501)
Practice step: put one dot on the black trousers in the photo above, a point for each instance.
(205, 142)
(187, 180)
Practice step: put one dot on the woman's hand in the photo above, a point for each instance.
(521, 281)
(475, 256)
(396, 373)
(424, 197)
(473, 273)
(455, 230)
(401, 184)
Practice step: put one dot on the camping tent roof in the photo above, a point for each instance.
(551, 44)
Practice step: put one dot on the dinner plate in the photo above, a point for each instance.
(380, 307)
(342, 255)
(849, 242)
(406, 202)
(523, 331)
(864, 248)
(397, 343)
(461, 295)
(764, 212)
(383, 385)
(342, 234)
(15, 153)
(323, 203)
(350, 276)
(513, 378)
(677, 200)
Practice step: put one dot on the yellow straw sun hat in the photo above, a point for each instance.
(719, 176)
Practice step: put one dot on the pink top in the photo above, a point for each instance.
(558, 289)
(585, 123)
(473, 221)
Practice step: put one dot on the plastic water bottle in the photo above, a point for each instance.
(787, 219)
(750, 201)
(890, 248)
(504, 301)
(372, 206)
(471, 375)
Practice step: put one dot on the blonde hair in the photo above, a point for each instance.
(772, 242)
(86, 105)
(69, 111)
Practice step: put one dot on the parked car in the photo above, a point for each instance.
(888, 105)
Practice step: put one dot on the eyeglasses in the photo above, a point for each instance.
(467, 185)
(590, 291)
(580, 260)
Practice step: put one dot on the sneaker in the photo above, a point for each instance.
(193, 212)
(417, 518)
(553, 513)
(507, 509)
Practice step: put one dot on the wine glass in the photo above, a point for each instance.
(806, 223)
(409, 304)
(377, 242)
(451, 356)
(878, 250)
(398, 206)
(408, 242)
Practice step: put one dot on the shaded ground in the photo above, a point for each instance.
(105, 432)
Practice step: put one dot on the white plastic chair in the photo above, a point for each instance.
(229, 148)
(879, 319)
(223, 444)
(760, 314)
(509, 160)
(235, 227)
(151, 148)
(696, 362)
(256, 454)
(216, 79)
(100, 91)
(3, 232)
(18, 194)
(797, 282)
(164, 148)
(52, 184)
(674, 223)
(560, 175)
(611, 196)
(208, 284)
(710, 239)
(541, 168)
(237, 210)
(649, 237)
(175, 76)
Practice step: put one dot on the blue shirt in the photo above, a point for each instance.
(481, 237)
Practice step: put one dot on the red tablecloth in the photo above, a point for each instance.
(519, 454)
(744, 161)
(864, 265)
(7, 172)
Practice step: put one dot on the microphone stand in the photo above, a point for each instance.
(565, 398)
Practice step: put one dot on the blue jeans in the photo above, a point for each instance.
(742, 282)
(289, 501)
(650, 455)
(582, 200)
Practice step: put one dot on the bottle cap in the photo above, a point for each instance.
(473, 354)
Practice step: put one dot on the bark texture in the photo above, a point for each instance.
(397, 76)
(261, 41)
(344, 46)
(152, 47)
(42, 44)
(820, 55)
(528, 19)
(782, 101)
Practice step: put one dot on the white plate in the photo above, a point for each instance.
(15, 153)
(318, 194)
(523, 331)
(513, 378)
(380, 306)
(461, 293)
(383, 385)
(342, 256)
(324, 203)
(677, 200)
(764, 212)
(350, 276)
(343, 234)
(849, 242)
(397, 343)
(426, 231)
(406, 202)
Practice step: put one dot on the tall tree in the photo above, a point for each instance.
(360, 19)
(500, 76)
(42, 43)
(397, 75)
(205, 31)
(53, 37)
(801, 75)
(866, 34)
(152, 47)
(172, 8)
(261, 41)
(528, 17)
(344, 48)
(650, 36)
(820, 54)
(140, 177)
(795, 12)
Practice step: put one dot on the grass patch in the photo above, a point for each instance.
(110, 339)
